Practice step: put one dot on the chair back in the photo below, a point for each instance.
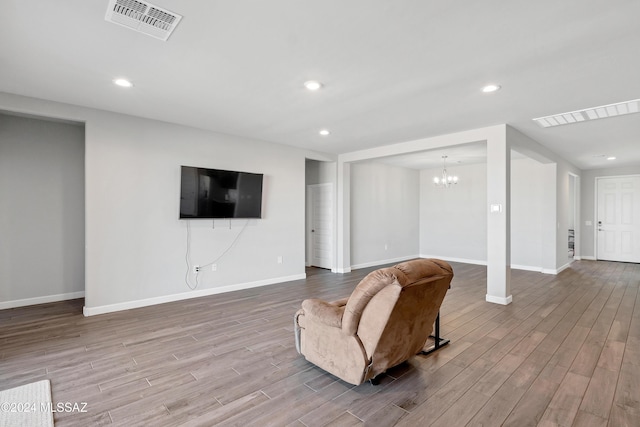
(392, 310)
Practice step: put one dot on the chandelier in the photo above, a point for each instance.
(445, 180)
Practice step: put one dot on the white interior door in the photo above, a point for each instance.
(618, 219)
(321, 225)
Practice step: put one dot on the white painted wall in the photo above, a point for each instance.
(41, 211)
(343, 262)
(460, 215)
(527, 212)
(556, 217)
(453, 221)
(135, 244)
(563, 208)
(384, 212)
(552, 241)
(572, 207)
(588, 204)
(533, 216)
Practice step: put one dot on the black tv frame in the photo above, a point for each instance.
(220, 194)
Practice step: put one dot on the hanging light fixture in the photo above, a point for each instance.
(446, 180)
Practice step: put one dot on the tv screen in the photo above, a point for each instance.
(213, 193)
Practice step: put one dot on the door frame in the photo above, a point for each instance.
(309, 219)
(595, 208)
(575, 200)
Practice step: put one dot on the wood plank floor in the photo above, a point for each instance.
(565, 352)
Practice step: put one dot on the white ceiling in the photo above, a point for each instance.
(393, 71)
(459, 155)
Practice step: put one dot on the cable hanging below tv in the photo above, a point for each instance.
(219, 194)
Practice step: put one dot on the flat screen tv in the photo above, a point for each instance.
(214, 193)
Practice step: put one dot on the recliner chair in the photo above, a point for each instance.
(386, 320)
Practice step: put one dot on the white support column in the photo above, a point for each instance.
(499, 221)
(343, 226)
(549, 219)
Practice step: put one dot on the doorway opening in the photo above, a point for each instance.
(320, 214)
(573, 217)
(42, 183)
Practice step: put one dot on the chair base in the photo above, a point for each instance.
(438, 341)
(375, 380)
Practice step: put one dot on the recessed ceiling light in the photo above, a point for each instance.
(312, 85)
(123, 82)
(324, 132)
(611, 158)
(490, 88)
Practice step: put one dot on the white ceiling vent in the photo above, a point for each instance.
(143, 17)
(602, 112)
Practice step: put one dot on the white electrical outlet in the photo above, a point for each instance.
(279, 259)
(386, 246)
(214, 267)
(196, 268)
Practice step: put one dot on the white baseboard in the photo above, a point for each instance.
(527, 268)
(540, 269)
(341, 270)
(555, 271)
(383, 261)
(513, 266)
(562, 268)
(452, 259)
(110, 308)
(589, 258)
(499, 300)
(40, 300)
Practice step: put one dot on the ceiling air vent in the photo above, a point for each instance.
(602, 112)
(143, 17)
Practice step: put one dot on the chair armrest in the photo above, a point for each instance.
(341, 302)
(324, 312)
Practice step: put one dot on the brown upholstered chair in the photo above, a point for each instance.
(386, 320)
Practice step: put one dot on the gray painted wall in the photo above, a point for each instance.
(588, 204)
(384, 211)
(135, 243)
(41, 210)
(312, 172)
(319, 172)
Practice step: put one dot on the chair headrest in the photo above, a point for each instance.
(402, 274)
(418, 269)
